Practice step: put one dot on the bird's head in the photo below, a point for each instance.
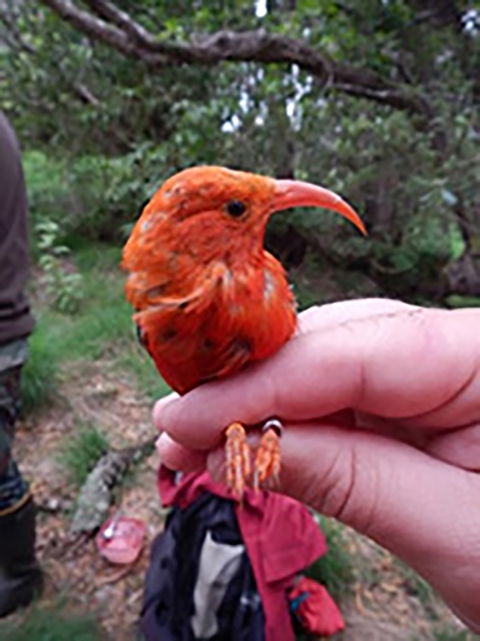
(215, 213)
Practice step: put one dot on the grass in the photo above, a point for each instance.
(101, 329)
(82, 450)
(51, 624)
(446, 633)
(335, 569)
(40, 374)
(104, 318)
(136, 361)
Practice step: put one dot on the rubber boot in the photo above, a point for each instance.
(20, 575)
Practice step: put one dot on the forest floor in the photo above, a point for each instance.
(382, 600)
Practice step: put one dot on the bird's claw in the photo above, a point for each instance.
(267, 459)
(237, 453)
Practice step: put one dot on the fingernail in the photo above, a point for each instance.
(161, 443)
(160, 411)
(158, 447)
(176, 457)
(216, 464)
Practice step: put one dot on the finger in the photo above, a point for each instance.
(417, 507)
(399, 365)
(178, 458)
(321, 317)
(460, 448)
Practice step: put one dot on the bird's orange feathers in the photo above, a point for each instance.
(208, 297)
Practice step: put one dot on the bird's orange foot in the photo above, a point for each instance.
(237, 453)
(267, 459)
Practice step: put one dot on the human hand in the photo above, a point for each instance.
(381, 406)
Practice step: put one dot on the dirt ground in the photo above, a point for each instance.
(385, 606)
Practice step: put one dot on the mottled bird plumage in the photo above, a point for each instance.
(208, 297)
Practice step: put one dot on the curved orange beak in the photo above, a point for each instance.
(295, 193)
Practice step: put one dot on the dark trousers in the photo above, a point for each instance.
(13, 487)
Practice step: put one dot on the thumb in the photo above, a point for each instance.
(417, 507)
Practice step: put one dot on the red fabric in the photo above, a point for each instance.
(280, 536)
(318, 613)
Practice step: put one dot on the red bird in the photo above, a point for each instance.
(208, 298)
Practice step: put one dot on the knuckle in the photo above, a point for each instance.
(350, 491)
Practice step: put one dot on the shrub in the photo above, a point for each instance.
(63, 285)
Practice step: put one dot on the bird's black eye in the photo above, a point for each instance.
(236, 208)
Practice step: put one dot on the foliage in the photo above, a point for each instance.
(104, 317)
(40, 374)
(90, 196)
(102, 328)
(82, 451)
(101, 130)
(63, 286)
(51, 624)
(49, 197)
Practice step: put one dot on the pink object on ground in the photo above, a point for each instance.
(123, 541)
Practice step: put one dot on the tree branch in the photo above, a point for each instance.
(94, 27)
(110, 25)
(443, 13)
(17, 43)
(110, 13)
(13, 34)
(85, 95)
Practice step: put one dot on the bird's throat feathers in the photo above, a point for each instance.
(219, 324)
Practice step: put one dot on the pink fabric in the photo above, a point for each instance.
(318, 613)
(280, 536)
